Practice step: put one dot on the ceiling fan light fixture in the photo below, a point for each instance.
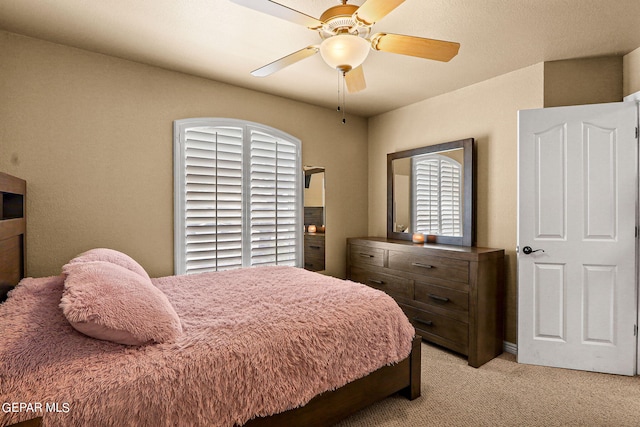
(344, 51)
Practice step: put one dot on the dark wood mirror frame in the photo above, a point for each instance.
(468, 237)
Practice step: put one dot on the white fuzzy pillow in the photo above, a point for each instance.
(109, 302)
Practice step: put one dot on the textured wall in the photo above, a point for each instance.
(486, 111)
(583, 81)
(631, 67)
(93, 137)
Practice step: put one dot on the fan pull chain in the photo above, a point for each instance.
(344, 99)
(341, 94)
(339, 74)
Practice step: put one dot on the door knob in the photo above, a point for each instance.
(527, 250)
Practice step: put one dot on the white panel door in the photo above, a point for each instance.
(577, 187)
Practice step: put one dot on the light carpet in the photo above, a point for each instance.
(505, 393)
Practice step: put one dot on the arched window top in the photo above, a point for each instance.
(238, 195)
(437, 195)
(221, 122)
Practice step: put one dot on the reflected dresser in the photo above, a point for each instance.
(314, 257)
(453, 295)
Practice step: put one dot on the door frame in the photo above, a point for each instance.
(636, 97)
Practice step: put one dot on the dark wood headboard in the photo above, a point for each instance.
(13, 228)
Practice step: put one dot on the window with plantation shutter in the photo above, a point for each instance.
(275, 177)
(238, 196)
(437, 206)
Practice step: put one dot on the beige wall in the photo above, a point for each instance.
(583, 81)
(486, 111)
(631, 67)
(93, 136)
(314, 195)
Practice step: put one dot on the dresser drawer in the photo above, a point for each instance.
(315, 246)
(364, 255)
(440, 326)
(314, 241)
(313, 264)
(392, 285)
(314, 258)
(430, 266)
(441, 296)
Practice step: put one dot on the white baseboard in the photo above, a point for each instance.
(510, 347)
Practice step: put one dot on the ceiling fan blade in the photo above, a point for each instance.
(374, 10)
(355, 80)
(439, 50)
(280, 11)
(285, 61)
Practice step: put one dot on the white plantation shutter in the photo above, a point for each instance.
(450, 198)
(427, 195)
(238, 196)
(274, 178)
(213, 198)
(437, 206)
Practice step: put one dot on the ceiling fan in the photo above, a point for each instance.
(346, 38)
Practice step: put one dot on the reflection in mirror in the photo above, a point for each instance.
(401, 192)
(314, 218)
(430, 192)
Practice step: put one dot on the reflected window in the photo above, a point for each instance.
(437, 202)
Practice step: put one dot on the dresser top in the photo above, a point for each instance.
(465, 252)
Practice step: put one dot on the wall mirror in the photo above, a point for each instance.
(431, 191)
(314, 218)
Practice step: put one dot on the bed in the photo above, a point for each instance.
(258, 346)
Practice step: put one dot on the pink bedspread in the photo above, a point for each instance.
(256, 341)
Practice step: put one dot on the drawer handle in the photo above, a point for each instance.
(377, 282)
(419, 264)
(424, 322)
(438, 298)
(314, 247)
(366, 255)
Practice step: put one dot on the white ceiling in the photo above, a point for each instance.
(223, 41)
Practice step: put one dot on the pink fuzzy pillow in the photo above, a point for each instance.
(109, 302)
(112, 256)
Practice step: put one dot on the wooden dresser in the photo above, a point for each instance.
(314, 257)
(453, 295)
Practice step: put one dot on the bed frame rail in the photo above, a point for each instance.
(331, 407)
